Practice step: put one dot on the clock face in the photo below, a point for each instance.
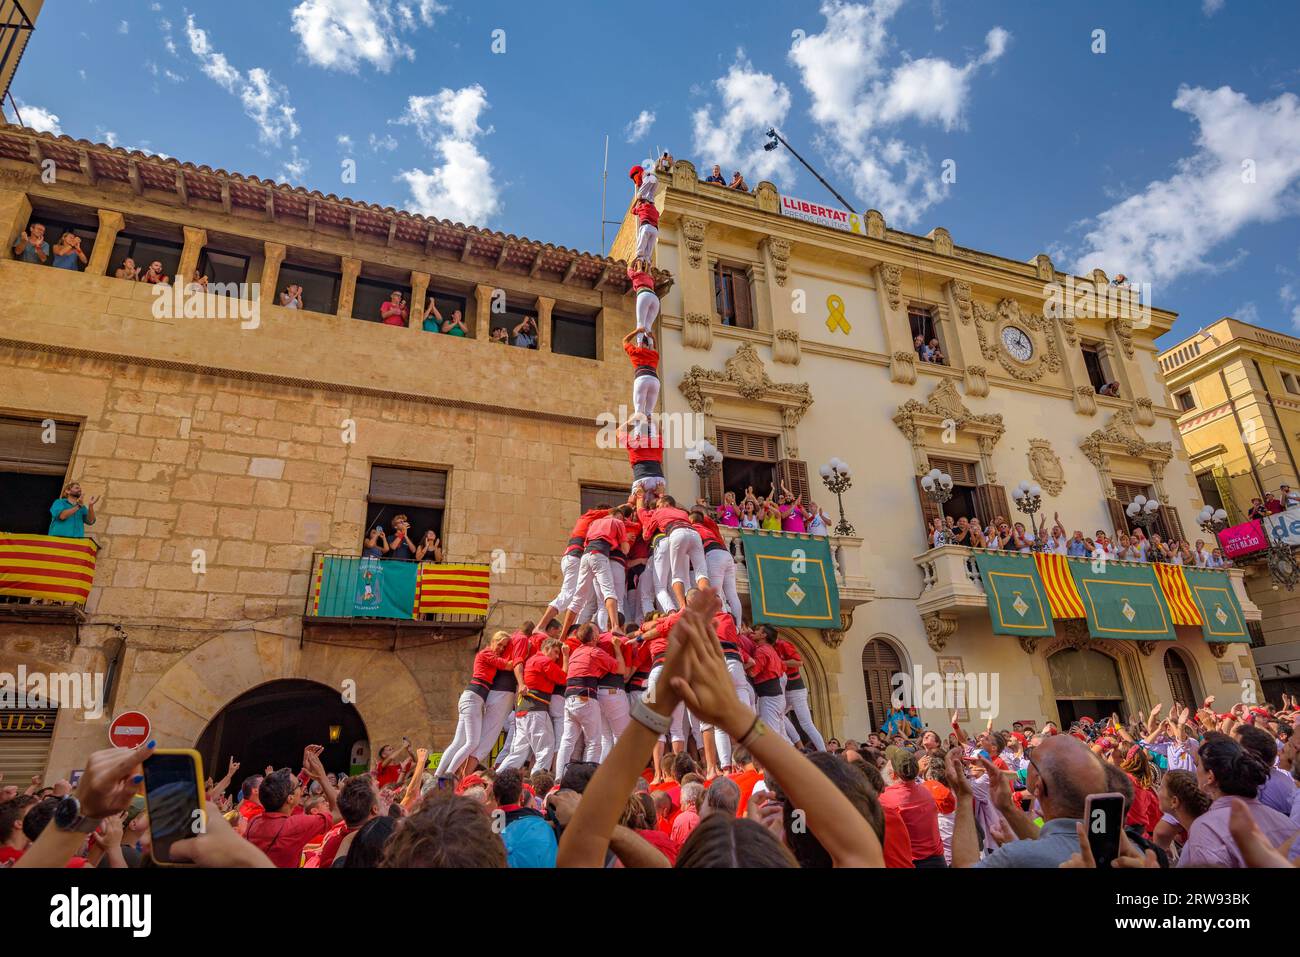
(1017, 343)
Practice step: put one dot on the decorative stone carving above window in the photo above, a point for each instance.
(961, 295)
(746, 378)
(693, 233)
(779, 250)
(892, 277)
(989, 326)
(785, 347)
(1124, 331)
(944, 408)
(1045, 466)
(1121, 437)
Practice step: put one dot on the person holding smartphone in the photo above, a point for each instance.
(69, 515)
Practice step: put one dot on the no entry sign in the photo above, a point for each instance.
(129, 729)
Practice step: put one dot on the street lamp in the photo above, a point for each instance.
(837, 477)
(704, 459)
(1212, 520)
(1029, 499)
(1142, 511)
(937, 486)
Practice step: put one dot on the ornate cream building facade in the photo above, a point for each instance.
(795, 341)
(1237, 391)
(255, 447)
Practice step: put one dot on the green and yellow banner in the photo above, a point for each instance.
(1018, 602)
(1221, 617)
(791, 579)
(1123, 600)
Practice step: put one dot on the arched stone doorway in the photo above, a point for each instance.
(272, 723)
(1182, 685)
(1085, 683)
(881, 660)
(814, 679)
(190, 693)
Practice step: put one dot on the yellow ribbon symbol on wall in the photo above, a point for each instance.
(835, 320)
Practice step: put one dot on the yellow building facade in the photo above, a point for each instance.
(791, 328)
(1237, 390)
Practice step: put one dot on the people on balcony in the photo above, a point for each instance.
(67, 253)
(400, 545)
(499, 336)
(716, 176)
(128, 270)
(430, 548)
(434, 321)
(31, 246)
(819, 523)
(291, 298)
(155, 275)
(70, 514)
(394, 311)
(524, 334)
(738, 183)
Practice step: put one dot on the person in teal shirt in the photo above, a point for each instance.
(69, 516)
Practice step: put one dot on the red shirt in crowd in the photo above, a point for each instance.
(588, 661)
(898, 844)
(916, 804)
(658, 645)
(642, 356)
(767, 663)
(542, 674)
(281, 837)
(249, 809)
(610, 529)
(708, 530)
(487, 663)
(788, 652)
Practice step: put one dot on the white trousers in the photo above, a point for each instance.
(678, 730)
(569, 570)
(498, 707)
(645, 590)
(663, 570)
(797, 701)
(722, 577)
(745, 692)
(468, 725)
(645, 393)
(533, 733)
(594, 577)
(581, 715)
(614, 717)
(557, 718)
(647, 310)
(646, 237)
(686, 552)
(512, 728)
(771, 710)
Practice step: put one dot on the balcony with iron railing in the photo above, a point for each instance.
(45, 579)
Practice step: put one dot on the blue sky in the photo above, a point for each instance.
(1173, 156)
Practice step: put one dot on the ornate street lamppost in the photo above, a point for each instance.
(1029, 499)
(704, 459)
(1142, 511)
(837, 477)
(1212, 520)
(938, 488)
(1281, 564)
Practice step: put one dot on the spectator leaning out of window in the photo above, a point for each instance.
(128, 270)
(291, 298)
(524, 335)
(69, 516)
(31, 246)
(67, 252)
(393, 312)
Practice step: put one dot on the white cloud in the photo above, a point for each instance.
(1211, 7)
(294, 167)
(1245, 170)
(36, 118)
(342, 34)
(1290, 300)
(387, 143)
(752, 101)
(265, 102)
(857, 97)
(639, 127)
(1247, 312)
(345, 142)
(462, 187)
(123, 27)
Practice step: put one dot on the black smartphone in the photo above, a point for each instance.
(1104, 819)
(173, 794)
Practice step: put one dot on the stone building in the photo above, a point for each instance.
(230, 451)
(791, 328)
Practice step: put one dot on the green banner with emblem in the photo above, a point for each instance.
(1221, 616)
(1017, 599)
(791, 579)
(1123, 600)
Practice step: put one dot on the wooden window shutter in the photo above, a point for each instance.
(929, 510)
(747, 445)
(962, 473)
(991, 501)
(1173, 527)
(1117, 516)
(711, 488)
(794, 474)
(591, 496)
(417, 488)
(740, 294)
(22, 449)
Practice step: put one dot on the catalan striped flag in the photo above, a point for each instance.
(1182, 609)
(1062, 594)
(47, 566)
(452, 589)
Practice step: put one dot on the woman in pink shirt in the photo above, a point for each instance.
(727, 513)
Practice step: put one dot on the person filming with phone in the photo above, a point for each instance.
(70, 515)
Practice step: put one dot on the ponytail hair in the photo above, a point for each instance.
(1236, 771)
(1182, 785)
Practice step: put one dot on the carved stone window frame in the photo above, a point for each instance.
(745, 380)
(944, 409)
(1120, 438)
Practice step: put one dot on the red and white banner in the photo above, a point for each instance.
(822, 215)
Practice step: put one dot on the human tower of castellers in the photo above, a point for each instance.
(565, 687)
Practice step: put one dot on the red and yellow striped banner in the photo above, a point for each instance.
(1182, 609)
(1062, 594)
(47, 567)
(452, 589)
